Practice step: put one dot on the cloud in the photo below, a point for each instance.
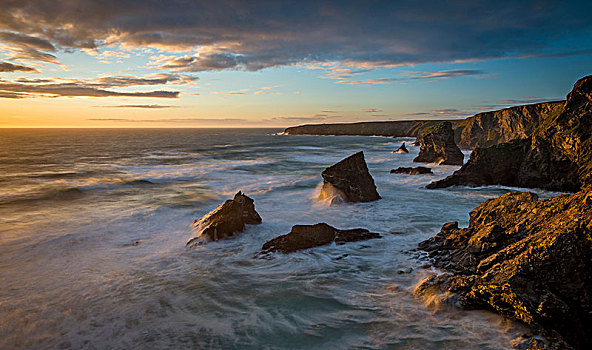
(229, 93)
(372, 110)
(73, 89)
(9, 67)
(258, 34)
(139, 106)
(444, 74)
(206, 121)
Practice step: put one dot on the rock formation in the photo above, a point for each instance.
(420, 170)
(513, 123)
(350, 179)
(437, 145)
(402, 149)
(226, 220)
(309, 236)
(558, 155)
(524, 258)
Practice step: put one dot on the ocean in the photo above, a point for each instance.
(93, 226)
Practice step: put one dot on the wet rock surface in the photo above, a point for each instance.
(351, 179)
(420, 170)
(309, 236)
(558, 155)
(402, 149)
(438, 146)
(525, 258)
(226, 220)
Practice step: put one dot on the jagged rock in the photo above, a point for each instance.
(417, 142)
(437, 145)
(350, 180)
(491, 128)
(525, 258)
(227, 219)
(402, 149)
(558, 155)
(412, 171)
(309, 236)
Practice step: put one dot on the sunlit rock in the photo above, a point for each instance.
(437, 146)
(350, 179)
(309, 236)
(525, 258)
(226, 220)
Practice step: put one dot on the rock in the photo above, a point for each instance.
(558, 155)
(417, 142)
(412, 171)
(309, 236)
(350, 179)
(525, 258)
(226, 220)
(437, 145)
(402, 149)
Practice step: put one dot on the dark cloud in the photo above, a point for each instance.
(139, 106)
(27, 41)
(74, 89)
(9, 67)
(259, 34)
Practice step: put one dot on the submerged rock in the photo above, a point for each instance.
(402, 149)
(226, 220)
(350, 180)
(558, 155)
(412, 171)
(437, 145)
(525, 258)
(309, 236)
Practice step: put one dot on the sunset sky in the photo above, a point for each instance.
(225, 63)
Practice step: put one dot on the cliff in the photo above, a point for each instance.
(557, 156)
(522, 257)
(483, 129)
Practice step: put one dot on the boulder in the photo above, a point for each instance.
(350, 180)
(525, 258)
(227, 219)
(557, 156)
(412, 171)
(437, 146)
(309, 236)
(402, 149)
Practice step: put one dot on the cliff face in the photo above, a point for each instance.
(524, 258)
(484, 129)
(437, 145)
(558, 155)
(404, 128)
(490, 128)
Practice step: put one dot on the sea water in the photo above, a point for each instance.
(93, 226)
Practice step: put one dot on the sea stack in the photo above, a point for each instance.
(420, 170)
(437, 145)
(349, 180)
(227, 219)
(402, 149)
(309, 236)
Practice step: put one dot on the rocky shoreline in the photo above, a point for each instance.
(521, 257)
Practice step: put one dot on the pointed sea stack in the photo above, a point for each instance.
(437, 145)
(309, 236)
(402, 149)
(226, 220)
(350, 180)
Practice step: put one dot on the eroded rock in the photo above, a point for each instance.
(525, 258)
(309, 236)
(420, 170)
(437, 146)
(402, 149)
(350, 179)
(226, 220)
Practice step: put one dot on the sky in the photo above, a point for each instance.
(181, 63)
